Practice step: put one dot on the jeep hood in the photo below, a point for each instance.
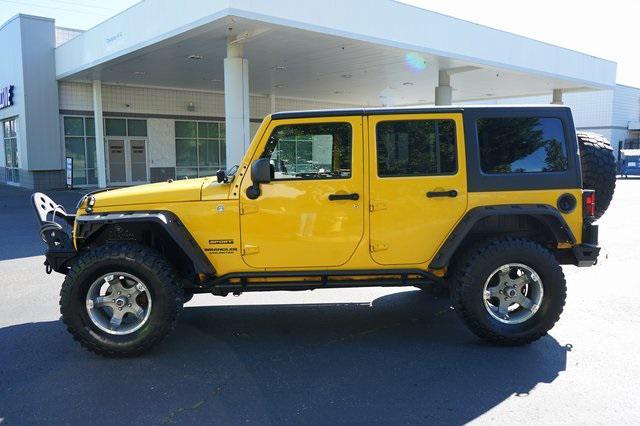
(155, 193)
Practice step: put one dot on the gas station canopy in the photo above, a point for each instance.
(358, 52)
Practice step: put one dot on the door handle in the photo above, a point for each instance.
(337, 197)
(451, 194)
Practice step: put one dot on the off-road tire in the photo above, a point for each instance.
(143, 262)
(474, 267)
(598, 169)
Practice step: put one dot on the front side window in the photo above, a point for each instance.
(310, 151)
(521, 145)
(200, 148)
(416, 148)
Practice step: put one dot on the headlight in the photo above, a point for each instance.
(81, 203)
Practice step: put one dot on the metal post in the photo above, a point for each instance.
(619, 151)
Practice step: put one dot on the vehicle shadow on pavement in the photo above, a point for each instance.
(403, 359)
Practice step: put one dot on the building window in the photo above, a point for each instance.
(10, 137)
(310, 151)
(521, 145)
(80, 144)
(631, 144)
(200, 148)
(416, 148)
(125, 127)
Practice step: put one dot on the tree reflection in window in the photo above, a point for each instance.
(416, 148)
(521, 145)
(310, 151)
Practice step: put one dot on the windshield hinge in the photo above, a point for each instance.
(248, 208)
(250, 249)
(375, 245)
(377, 205)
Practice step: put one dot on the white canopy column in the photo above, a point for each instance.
(557, 97)
(236, 102)
(444, 91)
(99, 124)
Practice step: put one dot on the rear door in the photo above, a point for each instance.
(418, 184)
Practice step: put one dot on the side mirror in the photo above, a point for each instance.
(260, 174)
(221, 176)
(261, 171)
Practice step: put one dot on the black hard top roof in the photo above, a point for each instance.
(402, 110)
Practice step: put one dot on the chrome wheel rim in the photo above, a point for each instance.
(118, 303)
(513, 293)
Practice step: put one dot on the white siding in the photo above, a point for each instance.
(616, 136)
(63, 35)
(151, 100)
(626, 105)
(590, 109)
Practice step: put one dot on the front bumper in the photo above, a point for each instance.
(56, 230)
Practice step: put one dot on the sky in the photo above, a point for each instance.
(604, 29)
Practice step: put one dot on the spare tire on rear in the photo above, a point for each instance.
(598, 168)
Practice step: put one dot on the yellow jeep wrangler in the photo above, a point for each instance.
(487, 201)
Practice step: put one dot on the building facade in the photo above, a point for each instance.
(153, 134)
(182, 99)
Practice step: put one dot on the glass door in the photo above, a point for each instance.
(117, 161)
(138, 156)
(127, 161)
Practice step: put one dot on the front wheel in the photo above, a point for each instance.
(509, 291)
(119, 300)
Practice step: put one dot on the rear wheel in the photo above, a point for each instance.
(120, 299)
(509, 291)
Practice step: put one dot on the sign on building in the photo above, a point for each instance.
(69, 171)
(6, 97)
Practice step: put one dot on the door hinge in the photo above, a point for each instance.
(378, 245)
(248, 208)
(377, 205)
(250, 249)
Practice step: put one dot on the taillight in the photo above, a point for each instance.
(589, 198)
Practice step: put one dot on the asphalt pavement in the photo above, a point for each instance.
(361, 356)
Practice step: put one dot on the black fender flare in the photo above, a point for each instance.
(88, 224)
(547, 215)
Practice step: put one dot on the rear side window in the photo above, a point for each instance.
(521, 145)
(416, 148)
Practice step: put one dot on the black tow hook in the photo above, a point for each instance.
(47, 268)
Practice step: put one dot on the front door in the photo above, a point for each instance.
(117, 161)
(311, 214)
(418, 184)
(127, 161)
